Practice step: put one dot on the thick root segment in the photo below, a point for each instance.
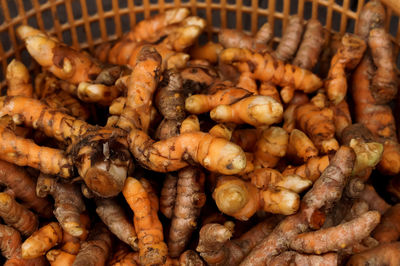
(149, 30)
(24, 152)
(311, 170)
(298, 259)
(384, 82)
(16, 215)
(310, 48)
(24, 188)
(212, 239)
(210, 52)
(254, 110)
(113, 215)
(10, 241)
(214, 154)
(102, 159)
(377, 118)
(170, 97)
(152, 248)
(202, 103)
(338, 237)
(375, 202)
(389, 229)
(372, 16)
(57, 257)
(97, 248)
(326, 190)
(266, 68)
(64, 62)
(41, 241)
(216, 248)
(231, 38)
(290, 39)
(142, 85)
(319, 125)
(348, 56)
(190, 198)
(168, 195)
(35, 114)
(190, 257)
(68, 203)
(242, 199)
(18, 80)
(384, 254)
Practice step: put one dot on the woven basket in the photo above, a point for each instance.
(87, 23)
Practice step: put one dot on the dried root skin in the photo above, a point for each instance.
(68, 203)
(18, 80)
(215, 154)
(168, 195)
(212, 239)
(102, 159)
(266, 68)
(325, 191)
(202, 103)
(16, 215)
(389, 228)
(231, 252)
(24, 188)
(190, 198)
(384, 82)
(375, 202)
(170, 97)
(113, 215)
(190, 258)
(311, 45)
(152, 248)
(41, 241)
(297, 259)
(338, 237)
(168, 128)
(96, 250)
(10, 241)
(372, 16)
(254, 110)
(290, 40)
(384, 254)
(142, 85)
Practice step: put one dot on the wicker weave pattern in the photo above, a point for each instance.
(86, 23)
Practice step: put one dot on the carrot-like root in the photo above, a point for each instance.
(215, 154)
(18, 80)
(152, 248)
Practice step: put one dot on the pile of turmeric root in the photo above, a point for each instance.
(155, 150)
